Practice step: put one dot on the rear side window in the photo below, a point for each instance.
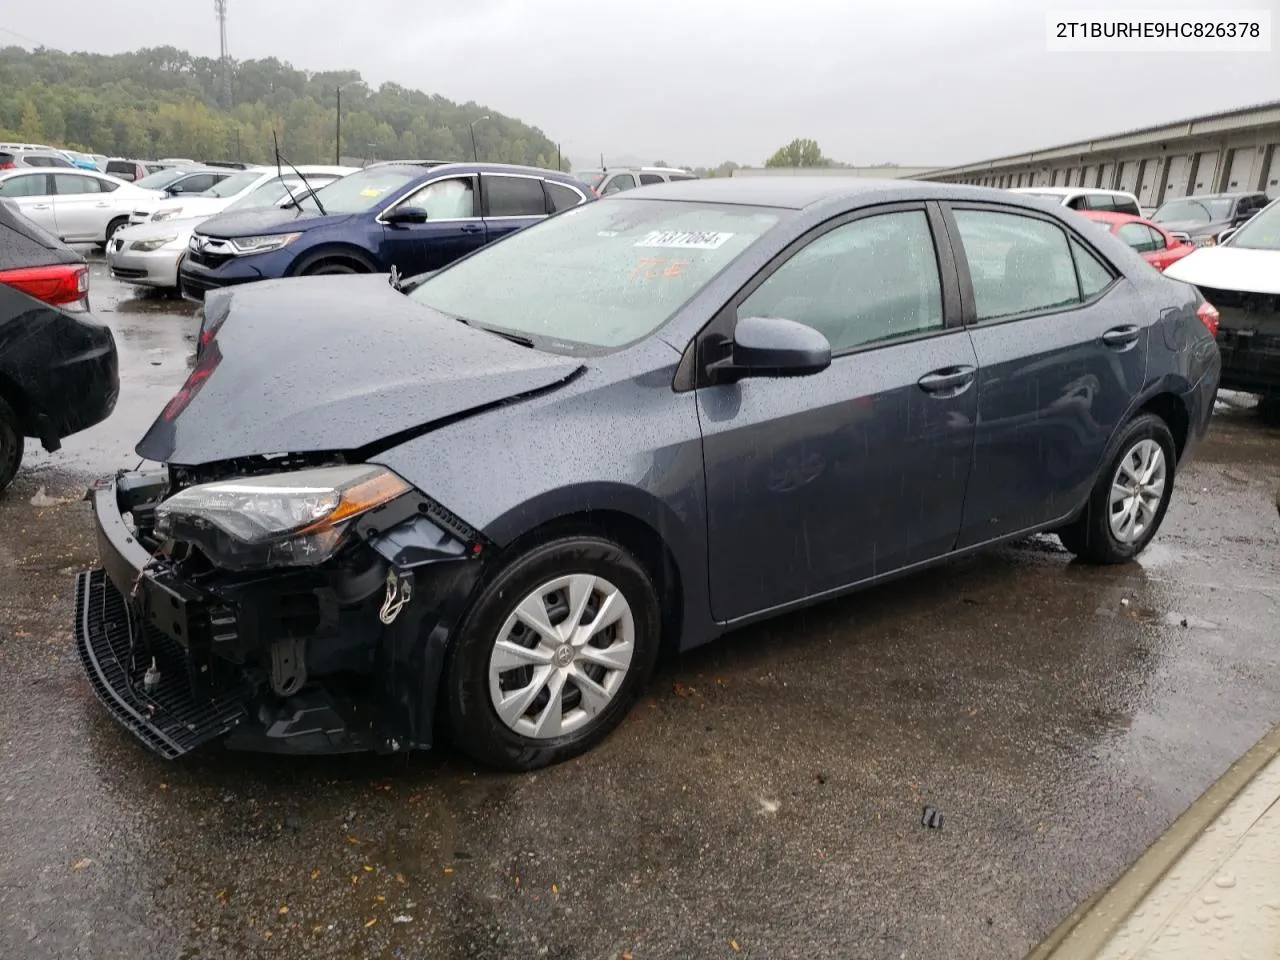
(619, 181)
(1125, 205)
(562, 197)
(646, 178)
(682, 176)
(198, 182)
(1094, 277)
(39, 161)
(1137, 236)
(1017, 264)
(68, 184)
(515, 196)
(122, 169)
(31, 185)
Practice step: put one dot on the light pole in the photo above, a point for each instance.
(475, 154)
(337, 138)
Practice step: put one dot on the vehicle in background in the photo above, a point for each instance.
(101, 160)
(22, 147)
(1240, 275)
(81, 160)
(179, 181)
(15, 159)
(1087, 198)
(58, 368)
(127, 170)
(77, 206)
(1153, 243)
(362, 521)
(410, 217)
(229, 164)
(177, 161)
(149, 254)
(221, 195)
(615, 179)
(1202, 218)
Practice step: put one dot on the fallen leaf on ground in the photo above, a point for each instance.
(315, 874)
(317, 928)
(353, 840)
(381, 898)
(403, 918)
(555, 889)
(400, 878)
(449, 870)
(368, 869)
(371, 923)
(267, 934)
(284, 910)
(81, 864)
(734, 944)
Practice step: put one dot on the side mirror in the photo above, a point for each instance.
(773, 347)
(1226, 235)
(401, 216)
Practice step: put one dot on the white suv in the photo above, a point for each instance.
(611, 180)
(1087, 198)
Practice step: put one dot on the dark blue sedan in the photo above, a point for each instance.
(496, 492)
(413, 217)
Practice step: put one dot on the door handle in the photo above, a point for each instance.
(470, 228)
(1121, 336)
(102, 203)
(41, 206)
(948, 378)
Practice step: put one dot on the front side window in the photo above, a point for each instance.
(30, 185)
(600, 275)
(647, 178)
(451, 199)
(1017, 264)
(870, 280)
(515, 196)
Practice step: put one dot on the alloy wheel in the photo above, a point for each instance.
(561, 656)
(1137, 490)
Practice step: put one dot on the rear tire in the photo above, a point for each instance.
(12, 445)
(572, 703)
(1130, 497)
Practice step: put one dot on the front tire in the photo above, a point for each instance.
(12, 445)
(1129, 500)
(112, 227)
(552, 654)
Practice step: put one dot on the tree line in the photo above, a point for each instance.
(164, 102)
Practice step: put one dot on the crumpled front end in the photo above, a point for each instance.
(296, 657)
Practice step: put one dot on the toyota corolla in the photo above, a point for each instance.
(494, 493)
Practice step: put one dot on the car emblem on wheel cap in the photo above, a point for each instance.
(564, 655)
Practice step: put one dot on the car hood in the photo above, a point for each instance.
(252, 223)
(336, 364)
(1195, 228)
(197, 207)
(165, 228)
(1230, 268)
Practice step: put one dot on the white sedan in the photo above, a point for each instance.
(77, 206)
(220, 196)
(1241, 277)
(148, 254)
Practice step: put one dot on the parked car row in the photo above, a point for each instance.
(396, 521)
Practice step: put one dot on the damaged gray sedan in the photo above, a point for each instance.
(483, 500)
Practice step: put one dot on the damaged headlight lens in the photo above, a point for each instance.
(243, 246)
(280, 520)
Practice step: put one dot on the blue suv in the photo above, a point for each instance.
(415, 217)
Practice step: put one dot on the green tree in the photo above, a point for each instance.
(30, 126)
(799, 153)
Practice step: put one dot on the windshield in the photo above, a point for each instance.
(365, 189)
(1193, 211)
(160, 179)
(1260, 233)
(273, 192)
(233, 184)
(591, 178)
(597, 276)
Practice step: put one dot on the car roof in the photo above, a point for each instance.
(1069, 191)
(799, 192)
(1231, 195)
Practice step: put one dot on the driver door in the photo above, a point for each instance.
(453, 227)
(819, 482)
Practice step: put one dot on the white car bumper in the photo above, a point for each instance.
(152, 268)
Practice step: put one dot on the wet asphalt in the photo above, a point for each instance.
(763, 800)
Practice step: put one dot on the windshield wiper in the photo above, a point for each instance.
(516, 338)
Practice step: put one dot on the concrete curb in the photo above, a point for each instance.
(1086, 931)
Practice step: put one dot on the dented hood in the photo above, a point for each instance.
(336, 363)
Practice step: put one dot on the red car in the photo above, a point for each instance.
(1157, 246)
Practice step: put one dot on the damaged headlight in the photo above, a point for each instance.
(279, 520)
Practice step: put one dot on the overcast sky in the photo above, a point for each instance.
(702, 81)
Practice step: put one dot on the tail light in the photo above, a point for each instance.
(1209, 316)
(56, 285)
(8, 166)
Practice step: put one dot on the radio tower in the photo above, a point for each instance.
(220, 6)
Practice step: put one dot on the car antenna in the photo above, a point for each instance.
(310, 190)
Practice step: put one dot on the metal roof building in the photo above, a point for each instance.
(1235, 150)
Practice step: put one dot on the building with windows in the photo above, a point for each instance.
(1236, 150)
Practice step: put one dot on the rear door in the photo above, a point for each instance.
(1061, 344)
(81, 207)
(511, 201)
(823, 481)
(32, 194)
(453, 228)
